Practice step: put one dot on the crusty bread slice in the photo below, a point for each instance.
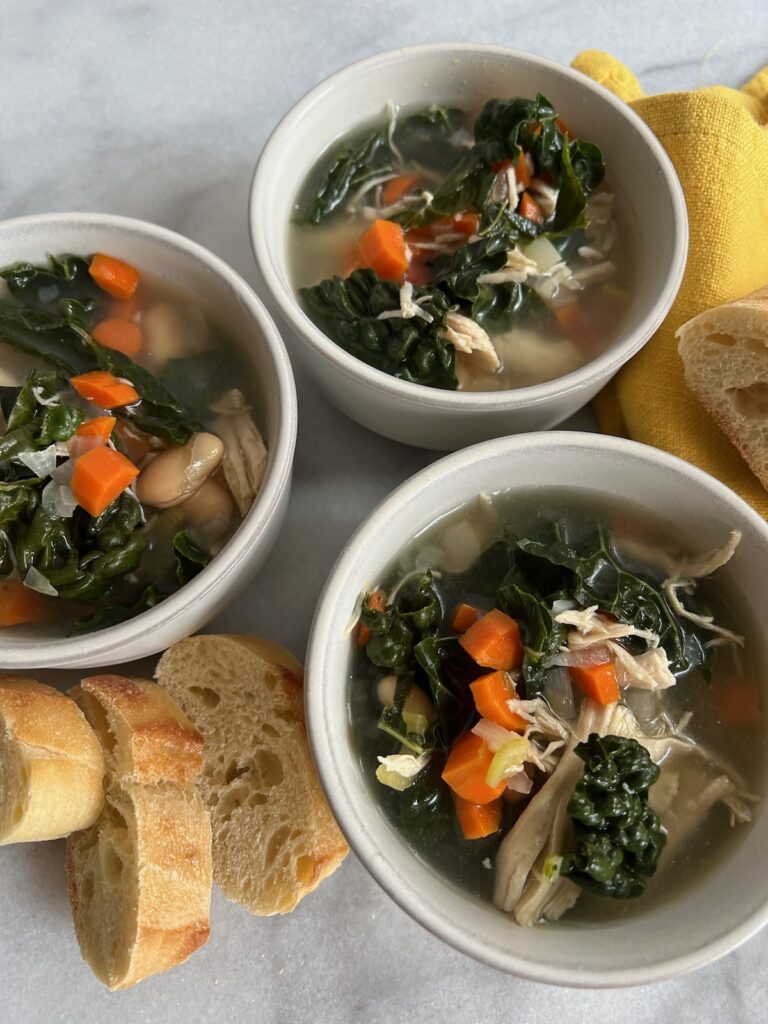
(725, 356)
(51, 764)
(146, 736)
(274, 838)
(140, 878)
(140, 882)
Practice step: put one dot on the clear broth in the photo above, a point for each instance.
(451, 545)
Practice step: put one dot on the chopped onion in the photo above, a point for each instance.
(63, 473)
(38, 393)
(585, 657)
(41, 463)
(77, 446)
(521, 782)
(563, 606)
(644, 705)
(58, 500)
(558, 691)
(494, 735)
(36, 581)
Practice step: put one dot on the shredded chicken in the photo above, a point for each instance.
(408, 308)
(245, 455)
(407, 766)
(595, 273)
(518, 267)
(467, 336)
(541, 828)
(707, 622)
(601, 227)
(592, 627)
(548, 286)
(648, 671)
(544, 194)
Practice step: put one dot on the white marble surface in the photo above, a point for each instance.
(157, 109)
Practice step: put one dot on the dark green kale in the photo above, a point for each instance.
(503, 130)
(190, 557)
(356, 162)
(594, 574)
(618, 836)
(411, 349)
(405, 637)
(66, 278)
(528, 597)
(423, 138)
(190, 560)
(62, 339)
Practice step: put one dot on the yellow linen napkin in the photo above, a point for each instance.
(716, 140)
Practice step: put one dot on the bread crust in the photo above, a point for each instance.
(146, 735)
(725, 358)
(51, 764)
(158, 907)
(274, 837)
(140, 878)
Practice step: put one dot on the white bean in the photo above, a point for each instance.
(210, 511)
(178, 472)
(416, 703)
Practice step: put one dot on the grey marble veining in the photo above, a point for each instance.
(158, 109)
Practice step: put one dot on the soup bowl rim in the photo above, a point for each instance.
(340, 773)
(276, 277)
(205, 588)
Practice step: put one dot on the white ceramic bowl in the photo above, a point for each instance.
(716, 911)
(186, 264)
(466, 75)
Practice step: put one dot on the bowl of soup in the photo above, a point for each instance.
(464, 241)
(147, 428)
(536, 699)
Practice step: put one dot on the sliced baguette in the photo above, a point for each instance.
(146, 736)
(140, 878)
(51, 764)
(274, 838)
(725, 356)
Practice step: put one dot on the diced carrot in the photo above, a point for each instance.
(383, 248)
(460, 224)
(419, 273)
(99, 477)
(100, 427)
(19, 604)
(104, 389)
(464, 616)
(122, 335)
(522, 171)
(478, 820)
(466, 769)
(494, 642)
(597, 681)
(126, 309)
(398, 187)
(739, 701)
(530, 209)
(570, 320)
(377, 601)
(118, 279)
(491, 694)
(564, 128)
(465, 223)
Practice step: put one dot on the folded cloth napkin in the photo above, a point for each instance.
(717, 141)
